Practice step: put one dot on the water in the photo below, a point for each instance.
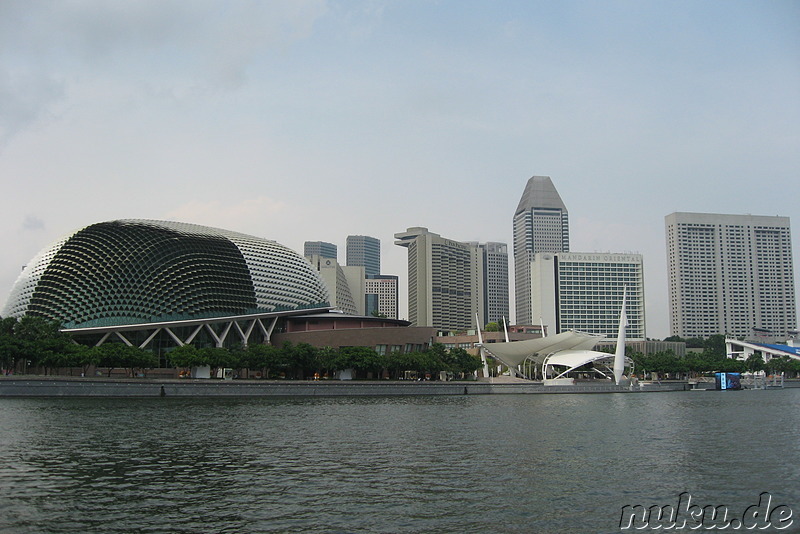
(498, 463)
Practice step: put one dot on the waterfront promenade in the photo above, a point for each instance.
(32, 386)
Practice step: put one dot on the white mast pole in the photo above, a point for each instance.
(619, 355)
(480, 343)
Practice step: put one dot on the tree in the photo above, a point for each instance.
(328, 360)
(463, 362)
(301, 357)
(715, 345)
(37, 338)
(218, 357)
(362, 359)
(492, 327)
(264, 358)
(754, 363)
(122, 356)
(11, 350)
(7, 326)
(186, 357)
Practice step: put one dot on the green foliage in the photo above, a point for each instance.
(218, 357)
(186, 357)
(265, 358)
(121, 356)
(360, 359)
(461, 361)
(715, 345)
(7, 326)
(754, 363)
(492, 327)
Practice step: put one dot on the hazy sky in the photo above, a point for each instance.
(311, 120)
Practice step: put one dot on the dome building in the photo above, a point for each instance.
(156, 284)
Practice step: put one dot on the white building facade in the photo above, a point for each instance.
(381, 295)
(730, 274)
(345, 284)
(583, 291)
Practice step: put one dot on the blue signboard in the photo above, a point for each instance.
(727, 381)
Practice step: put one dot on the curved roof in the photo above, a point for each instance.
(572, 359)
(134, 271)
(516, 352)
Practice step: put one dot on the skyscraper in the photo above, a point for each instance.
(364, 251)
(445, 280)
(730, 274)
(495, 282)
(320, 248)
(541, 224)
(381, 295)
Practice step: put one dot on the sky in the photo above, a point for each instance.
(313, 120)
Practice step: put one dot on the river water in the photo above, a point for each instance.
(494, 463)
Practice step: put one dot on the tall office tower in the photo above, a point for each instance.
(364, 251)
(381, 295)
(445, 280)
(495, 282)
(730, 274)
(345, 284)
(583, 291)
(320, 248)
(541, 224)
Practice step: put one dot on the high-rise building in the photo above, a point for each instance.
(583, 291)
(495, 282)
(541, 224)
(364, 251)
(381, 295)
(730, 274)
(445, 280)
(320, 248)
(345, 284)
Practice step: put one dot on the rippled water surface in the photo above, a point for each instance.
(498, 463)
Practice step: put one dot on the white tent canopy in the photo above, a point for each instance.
(514, 353)
(572, 359)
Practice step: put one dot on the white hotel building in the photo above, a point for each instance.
(730, 274)
(583, 291)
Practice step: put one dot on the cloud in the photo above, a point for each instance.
(26, 96)
(32, 222)
(47, 48)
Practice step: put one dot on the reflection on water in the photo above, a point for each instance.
(516, 463)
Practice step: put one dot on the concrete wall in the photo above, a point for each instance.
(93, 387)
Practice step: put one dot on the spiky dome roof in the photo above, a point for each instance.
(138, 271)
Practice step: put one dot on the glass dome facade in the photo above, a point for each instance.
(140, 271)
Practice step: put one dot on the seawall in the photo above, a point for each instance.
(100, 387)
